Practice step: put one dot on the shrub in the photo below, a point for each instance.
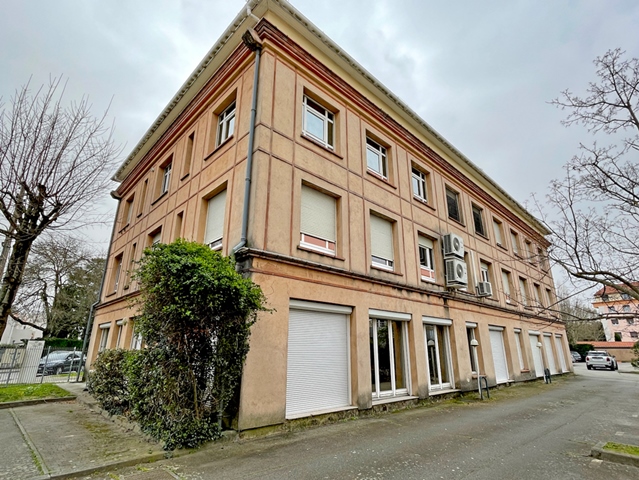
(62, 343)
(108, 381)
(196, 313)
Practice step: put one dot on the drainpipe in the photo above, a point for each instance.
(87, 331)
(253, 42)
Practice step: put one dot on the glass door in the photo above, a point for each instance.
(438, 356)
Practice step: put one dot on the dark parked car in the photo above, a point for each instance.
(60, 362)
(576, 356)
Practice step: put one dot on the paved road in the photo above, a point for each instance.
(533, 431)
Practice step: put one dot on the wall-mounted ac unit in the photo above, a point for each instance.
(453, 246)
(456, 275)
(484, 289)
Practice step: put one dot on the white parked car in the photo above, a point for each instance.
(600, 359)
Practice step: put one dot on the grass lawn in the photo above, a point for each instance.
(16, 393)
(622, 448)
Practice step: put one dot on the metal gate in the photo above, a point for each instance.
(33, 363)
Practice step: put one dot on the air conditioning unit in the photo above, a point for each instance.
(453, 246)
(484, 289)
(456, 275)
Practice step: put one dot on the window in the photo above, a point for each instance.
(452, 201)
(615, 321)
(120, 328)
(497, 230)
(537, 293)
(631, 321)
(143, 197)
(625, 296)
(426, 264)
(136, 338)
(389, 358)
(117, 269)
(318, 123)
(549, 298)
(104, 336)
(505, 279)
(520, 354)
(317, 223)
(131, 265)
(530, 256)
(177, 227)
(215, 208)
(612, 310)
(155, 237)
(438, 356)
(523, 290)
(164, 177)
(626, 308)
(514, 239)
(225, 124)
(633, 334)
(420, 189)
(478, 220)
(484, 271)
(470, 335)
(376, 160)
(382, 253)
(188, 154)
(617, 336)
(128, 210)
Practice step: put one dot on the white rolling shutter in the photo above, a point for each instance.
(318, 214)
(536, 351)
(560, 353)
(381, 238)
(318, 366)
(499, 356)
(215, 218)
(425, 242)
(552, 365)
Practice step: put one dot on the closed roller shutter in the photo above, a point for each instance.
(552, 365)
(536, 351)
(317, 377)
(318, 214)
(560, 353)
(499, 356)
(215, 218)
(381, 238)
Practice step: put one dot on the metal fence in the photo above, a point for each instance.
(35, 363)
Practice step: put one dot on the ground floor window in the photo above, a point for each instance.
(389, 358)
(104, 336)
(438, 356)
(470, 335)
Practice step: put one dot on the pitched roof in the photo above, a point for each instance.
(610, 290)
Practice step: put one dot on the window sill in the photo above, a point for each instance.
(502, 247)
(423, 202)
(217, 148)
(111, 294)
(383, 400)
(159, 198)
(123, 228)
(525, 370)
(320, 145)
(457, 221)
(482, 236)
(185, 176)
(380, 177)
(319, 252)
(382, 269)
(434, 393)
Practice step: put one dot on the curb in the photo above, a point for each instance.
(608, 455)
(150, 458)
(27, 403)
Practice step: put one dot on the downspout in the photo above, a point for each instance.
(253, 42)
(87, 331)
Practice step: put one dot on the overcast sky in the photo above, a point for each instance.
(480, 72)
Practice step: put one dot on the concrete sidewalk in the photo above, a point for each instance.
(55, 440)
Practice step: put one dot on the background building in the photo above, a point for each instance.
(620, 314)
(384, 252)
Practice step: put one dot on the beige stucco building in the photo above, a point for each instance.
(619, 314)
(384, 252)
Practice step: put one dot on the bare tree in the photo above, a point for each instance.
(583, 323)
(54, 162)
(593, 212)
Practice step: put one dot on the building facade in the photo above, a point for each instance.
(385, 254)
(620, 314)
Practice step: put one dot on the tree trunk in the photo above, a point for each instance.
(13, 278)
